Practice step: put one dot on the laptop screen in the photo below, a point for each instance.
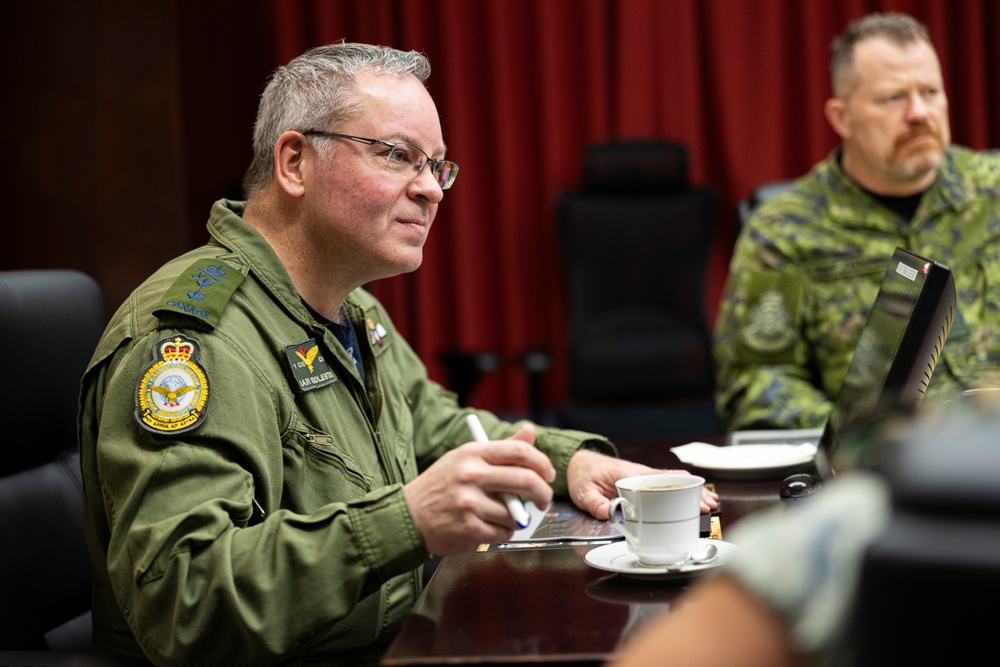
(895, 356)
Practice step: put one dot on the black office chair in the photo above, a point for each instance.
(635, 244)
(466, 369)
(51, 322)
(759, 195)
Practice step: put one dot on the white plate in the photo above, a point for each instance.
(617, 558)
(746, 460)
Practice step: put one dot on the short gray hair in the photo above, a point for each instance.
(317, 90)
(898, 28)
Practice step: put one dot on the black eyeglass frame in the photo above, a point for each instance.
(437, 166)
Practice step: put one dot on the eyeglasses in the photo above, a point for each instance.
(401, 155)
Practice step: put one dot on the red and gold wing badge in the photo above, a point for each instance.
(172, 393)
(308, 366)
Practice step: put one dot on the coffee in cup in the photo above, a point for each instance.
(660, 515)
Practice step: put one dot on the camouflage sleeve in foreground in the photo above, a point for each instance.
(805, 565)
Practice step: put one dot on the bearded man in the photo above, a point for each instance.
(808, 264)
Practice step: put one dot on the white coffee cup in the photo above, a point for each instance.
(660, 515)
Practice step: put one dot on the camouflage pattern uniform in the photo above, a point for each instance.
(804, 565)
(805, 272)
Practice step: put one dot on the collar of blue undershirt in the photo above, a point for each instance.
(342, 332)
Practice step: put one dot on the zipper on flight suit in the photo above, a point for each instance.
(388, 457)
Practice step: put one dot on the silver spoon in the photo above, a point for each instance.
(701, 554)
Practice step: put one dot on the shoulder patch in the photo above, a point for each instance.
(172, 393)
(768, 328)
(202, 291)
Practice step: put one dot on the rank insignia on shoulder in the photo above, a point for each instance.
(376, 332)
(768, 329)
(172, 394)
(309, 368)
(202, 291)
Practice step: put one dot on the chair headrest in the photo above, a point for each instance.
(635, 166)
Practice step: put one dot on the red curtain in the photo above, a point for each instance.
(523, 85)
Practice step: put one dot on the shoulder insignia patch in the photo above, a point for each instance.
(202, 291)
(376, 332)
(172, 394)
(309, 368)
(768, 328)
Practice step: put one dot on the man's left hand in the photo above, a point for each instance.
(592, 476)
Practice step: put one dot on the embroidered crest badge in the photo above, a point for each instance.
(768, 329)
(172, 394)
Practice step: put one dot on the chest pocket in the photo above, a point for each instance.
(973, 345)
(319, 470)
(841, 294)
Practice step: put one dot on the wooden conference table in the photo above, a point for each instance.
(548, 605)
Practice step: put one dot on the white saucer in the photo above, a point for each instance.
(743, 461)
(616, 557)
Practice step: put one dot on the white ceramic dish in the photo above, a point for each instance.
(746, 460)
(617, 558)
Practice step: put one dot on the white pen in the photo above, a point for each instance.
(514, 504)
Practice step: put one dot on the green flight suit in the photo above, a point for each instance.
(805, 272)
(243, 485)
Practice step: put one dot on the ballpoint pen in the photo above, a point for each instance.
(514, 504)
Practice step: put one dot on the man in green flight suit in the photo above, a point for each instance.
(807, 265)
(267, 465)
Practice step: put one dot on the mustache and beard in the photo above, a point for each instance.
(913, 161)
(918, 130)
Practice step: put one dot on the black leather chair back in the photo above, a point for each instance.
(636, 243)
(51, 322)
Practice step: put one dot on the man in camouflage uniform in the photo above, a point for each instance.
(808, 264)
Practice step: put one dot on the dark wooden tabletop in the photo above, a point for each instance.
(548, 606)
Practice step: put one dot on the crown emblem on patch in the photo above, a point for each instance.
(176, 349)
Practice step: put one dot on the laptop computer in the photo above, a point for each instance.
(893, 362)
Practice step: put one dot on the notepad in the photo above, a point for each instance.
(563, 521)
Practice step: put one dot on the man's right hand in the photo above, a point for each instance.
(456, 502)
